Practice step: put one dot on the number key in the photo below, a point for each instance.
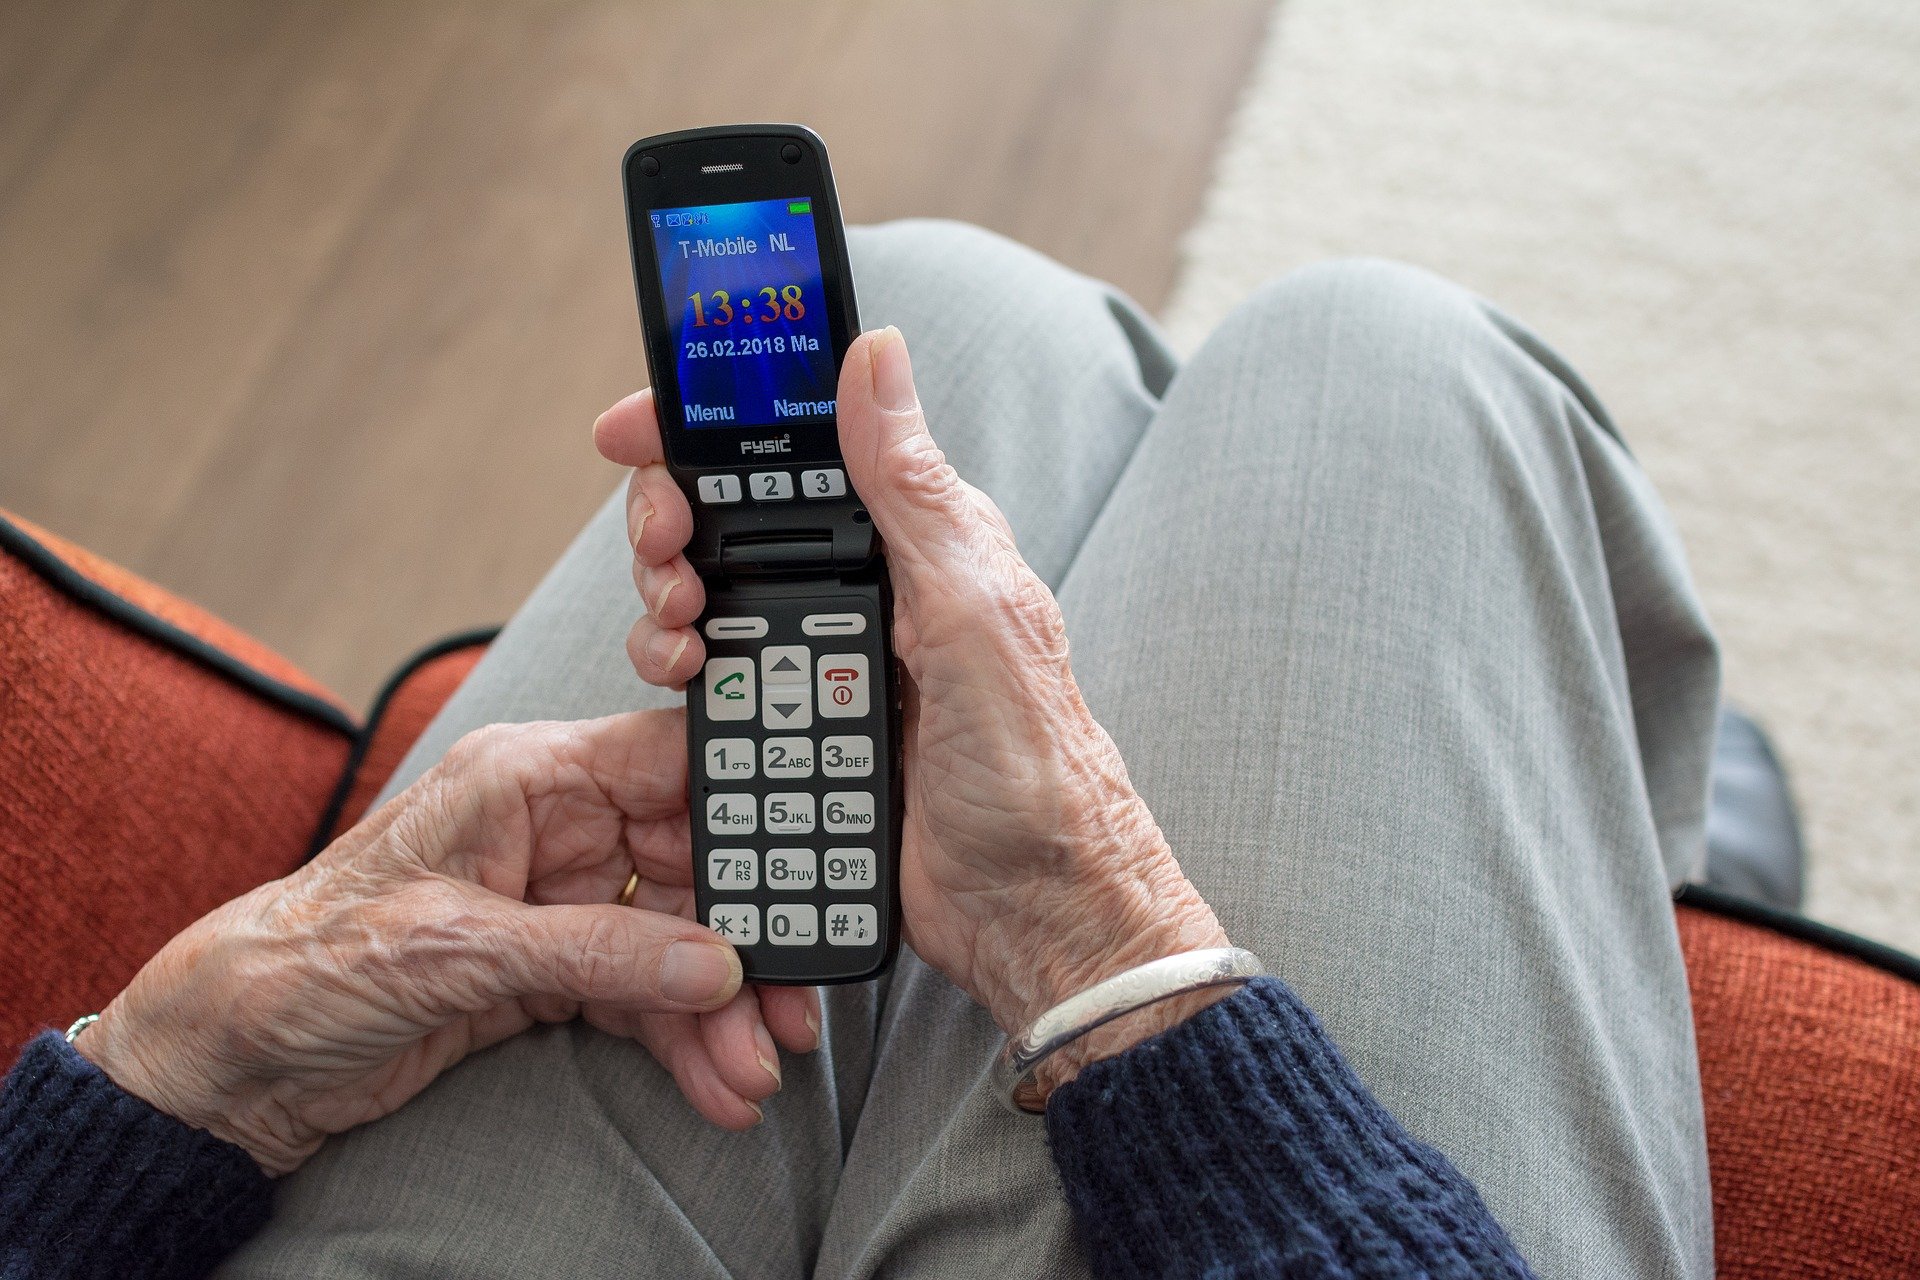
(830, 482)
(793, 924)
(849, 868)
(733, 811)
(732, 869)
(771, 486)
(787, 757)
(791, 870)
(847, 755)
(792, 812)
(730, 758)
(714, 489)
(846, 811)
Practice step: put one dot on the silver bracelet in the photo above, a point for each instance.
(1101, 1003)
(79, 1025)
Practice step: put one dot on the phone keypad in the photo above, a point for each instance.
(791, 790)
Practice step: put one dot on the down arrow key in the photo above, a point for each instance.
(787, 707)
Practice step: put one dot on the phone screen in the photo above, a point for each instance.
(746, 303)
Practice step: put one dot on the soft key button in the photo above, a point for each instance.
(793, 924)
(736, 628)
(833, 624)
(729, 686)
(737, 922)
(843, 686)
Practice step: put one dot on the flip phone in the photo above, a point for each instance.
(793, 725)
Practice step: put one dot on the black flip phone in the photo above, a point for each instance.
(793, 726)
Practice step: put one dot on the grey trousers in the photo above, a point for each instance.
(1401, 650)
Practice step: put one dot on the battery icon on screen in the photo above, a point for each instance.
(800, 206)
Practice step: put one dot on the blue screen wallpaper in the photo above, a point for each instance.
(747, 306)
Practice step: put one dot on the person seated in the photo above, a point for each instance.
(1386, 667)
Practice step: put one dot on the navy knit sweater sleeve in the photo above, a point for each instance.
(94, 1182)
(1240, 1143)
(1236, 1144)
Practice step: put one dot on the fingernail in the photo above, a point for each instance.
(640, 526)
(768, 1053)
(698, 972)
(813, 1025)
(665, 648)
(660, 601)
(892, 372)
(758, 1114)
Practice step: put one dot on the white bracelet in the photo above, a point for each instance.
(79, 1025)
(1101, 1003)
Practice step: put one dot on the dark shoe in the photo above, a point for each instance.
(1753, 830)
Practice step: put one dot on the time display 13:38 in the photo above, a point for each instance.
(719, 308)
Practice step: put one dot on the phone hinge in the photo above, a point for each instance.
(782, 555)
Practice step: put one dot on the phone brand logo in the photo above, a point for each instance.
(779, 444)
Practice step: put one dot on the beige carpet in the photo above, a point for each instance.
(1713, 208)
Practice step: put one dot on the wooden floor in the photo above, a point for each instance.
(305, 308)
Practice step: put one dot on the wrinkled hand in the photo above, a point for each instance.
(1030, 868)
(475, 904)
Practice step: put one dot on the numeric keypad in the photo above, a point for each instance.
(790, 737)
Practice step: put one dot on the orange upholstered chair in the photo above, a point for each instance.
(154, 762)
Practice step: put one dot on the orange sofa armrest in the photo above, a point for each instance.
(154, 762)
(1809, 1045)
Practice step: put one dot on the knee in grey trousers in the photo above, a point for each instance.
(1400, 647)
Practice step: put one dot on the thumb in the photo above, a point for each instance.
(609, 954)
(921, 507)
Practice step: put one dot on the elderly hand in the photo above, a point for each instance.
(1030, 868)
(475, 904)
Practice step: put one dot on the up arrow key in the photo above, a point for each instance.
(785, 664)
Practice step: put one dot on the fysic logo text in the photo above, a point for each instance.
(780, 444)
